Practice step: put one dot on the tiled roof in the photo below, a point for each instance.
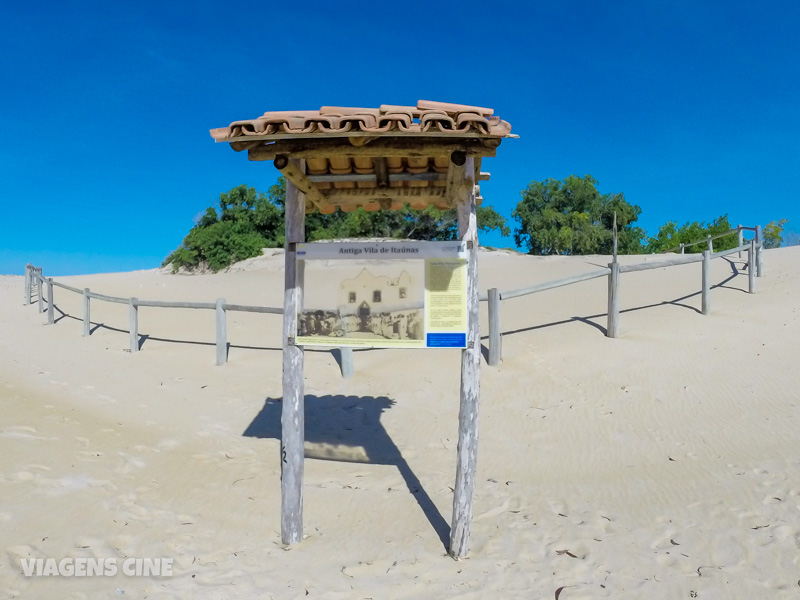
(375, 158)
(426, 118)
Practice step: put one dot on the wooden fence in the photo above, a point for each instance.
(35, 280)
(755, 267)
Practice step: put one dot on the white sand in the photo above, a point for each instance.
(664, 464)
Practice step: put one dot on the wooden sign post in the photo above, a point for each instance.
(345, 158)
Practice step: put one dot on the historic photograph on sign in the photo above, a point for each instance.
(378, 304)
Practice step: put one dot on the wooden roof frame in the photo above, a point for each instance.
(288, 154)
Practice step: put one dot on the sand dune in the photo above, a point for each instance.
(663, 464)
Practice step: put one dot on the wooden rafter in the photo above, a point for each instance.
(381, 148)
(292, 171)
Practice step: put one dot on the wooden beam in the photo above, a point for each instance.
(456, 171)
(133, 319)
(426, 195)
(385, 147)
(612, 324)
(706, 283)
(245, 145)
(50, 302)
(222, 332)
(495, 339)
(293, 404)
(293, 171)
(370, 177)
(381, 171)
(87, 323)
(470, 372)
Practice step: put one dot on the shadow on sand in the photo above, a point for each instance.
(349, 429)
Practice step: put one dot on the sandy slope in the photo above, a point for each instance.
(664, 464)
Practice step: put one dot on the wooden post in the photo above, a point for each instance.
(222, 333)
(706, 282)
(28, 280)
(348, 367)
(87, 324)
(39, 298)
(50, 304)
(612, 325)
(740, 238)
(495, 339)
(710, 243)
(293, 405)
(470, 366)
(751, 267)
(759, 252)
(133, 318)
(681, 248)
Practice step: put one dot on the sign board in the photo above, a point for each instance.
(384, 295)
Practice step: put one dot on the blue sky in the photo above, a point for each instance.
(688, 108)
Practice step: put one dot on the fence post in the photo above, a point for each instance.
(759, 252)
(740, 238)
(50, 304)
(706, 282)
(682, 248)
(86, 319)
(710, 243)
(133, 314)
(751, 267)
(222, 333)
(612, 327)
(495, 339)
(39, 298)
(348, 366)
(27, 284)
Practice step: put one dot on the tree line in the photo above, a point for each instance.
(554, 217)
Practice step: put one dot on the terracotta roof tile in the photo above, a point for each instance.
(375, 158)
(426, 117)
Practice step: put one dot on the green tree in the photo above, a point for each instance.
(572, 217)
(248, 221)
(670, 236)
(773, 233)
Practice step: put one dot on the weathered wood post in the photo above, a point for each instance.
(759, 252)
(293, 405)
(466, 460)
(133, 318)
(87, 324)
(710, 243)
(706, 282)
(751, 267)
(28, 280)
(495, 339)
(348, 366)
(222, 333)
(740, 238)
(612, 324)
(39, 298)
(50, 303)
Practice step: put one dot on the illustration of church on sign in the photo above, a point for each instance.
(368, 295)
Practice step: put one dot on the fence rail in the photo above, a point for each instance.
(614, 270)
(34, 280)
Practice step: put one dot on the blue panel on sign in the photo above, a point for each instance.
(447, 340)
